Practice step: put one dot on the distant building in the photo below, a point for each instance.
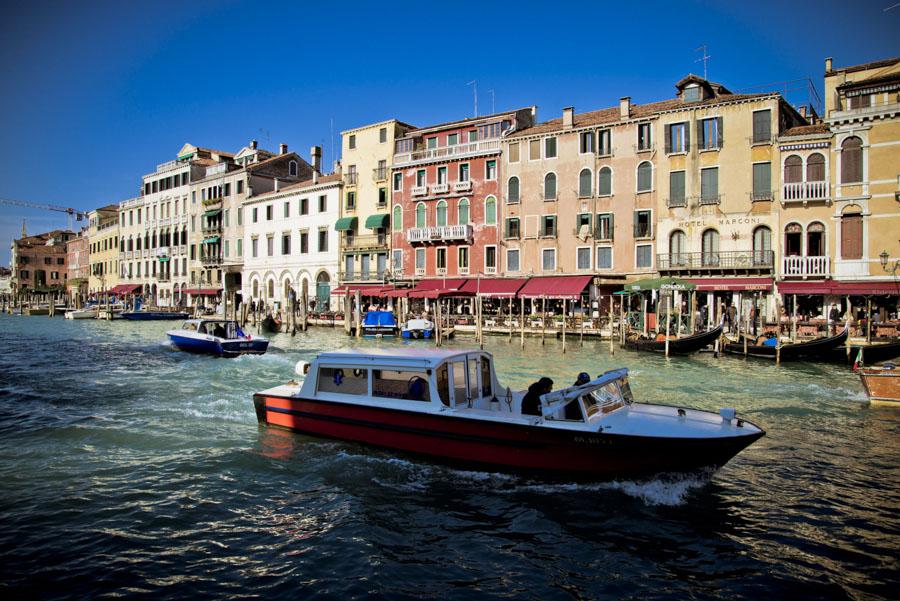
(78, 266)
(103, 240)
(5, 282)
(39, 263)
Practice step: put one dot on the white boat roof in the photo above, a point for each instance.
(426, 358)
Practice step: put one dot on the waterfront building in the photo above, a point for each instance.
(5, 283)
(78, 266)
(364, 225)
(291, 244)
(39, 263)
(103, 246)
(217, 215)
(445, 193)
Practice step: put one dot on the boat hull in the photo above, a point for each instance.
(515, 447)
(153, 315)
(814, 349)
(220, 348)
(678, 346)
(882, 385)
(871, 353)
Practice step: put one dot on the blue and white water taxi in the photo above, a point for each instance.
(219, 337)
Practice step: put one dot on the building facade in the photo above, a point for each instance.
(445, 193)
(39, 263)
(78, 265)
(366, 154)
(103, 244)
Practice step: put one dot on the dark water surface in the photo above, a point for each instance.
(130, 469)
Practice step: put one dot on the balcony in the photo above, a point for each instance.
(212, 201)
(804, 267)
(375, 241)
(163, 277)
(379, 174)
(212, 228)
(866, 111)
(162, 251)
(711, 199)
(448, 152)
(146, 253)
(441, 233)
(761, 261)
(419, 190)
(643, 230)
(804, 191)
(673, 203)
(350, 179)
(440, 188)
(211, 259)
(465, 186)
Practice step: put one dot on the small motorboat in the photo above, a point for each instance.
(677, 346)
(148, 315)
(378, 324)
(448, 405)
(418, 328)
(882, 383)
(219, 337)
(90, 312)
(768, 348)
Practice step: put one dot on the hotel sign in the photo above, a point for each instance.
(721, 221)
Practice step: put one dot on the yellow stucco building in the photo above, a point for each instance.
(103, 241)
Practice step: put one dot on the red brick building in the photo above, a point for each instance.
(445, 190)
(40, 263)
(78, 263)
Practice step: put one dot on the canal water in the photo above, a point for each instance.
(128, 468)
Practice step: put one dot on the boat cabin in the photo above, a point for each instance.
(220, 328)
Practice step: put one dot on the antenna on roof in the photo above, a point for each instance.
(492, 101)
(332, 141)
(474, 84)
(705, 58)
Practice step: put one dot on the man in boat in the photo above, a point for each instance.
(531, 402)
(583, 378)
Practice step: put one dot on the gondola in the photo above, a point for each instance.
(270, 325)
(813, 349)
(871, 353)
(677, 346)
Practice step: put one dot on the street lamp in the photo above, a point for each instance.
(884, 262)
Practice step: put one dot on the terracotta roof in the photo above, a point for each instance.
(463, 122)
(806, 130)
(204, 162)
(870, 81)
(873, 65)
(611, 115)
(218, 152)
(252, 166)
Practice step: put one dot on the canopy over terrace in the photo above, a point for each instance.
(125, 289)
(840, 288)
(364, 289)
(202, 291)
(494, 287)
(439, 288)
(566, 287)
(659, 284)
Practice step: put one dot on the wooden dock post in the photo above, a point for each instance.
(358, 313)
(868, 320)
(794, 321)
(581, 302)
(522, 323)
(746, 332)
(565, 314)
(543, 318)
(438, 326)
(668, 320)
(480, 322)
(510, 319)
(612, 347)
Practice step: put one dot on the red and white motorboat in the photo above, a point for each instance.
(448, 405)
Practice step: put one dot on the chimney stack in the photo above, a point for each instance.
(803, 111)
(568, 119)
(276, 184)
(253, 144)
(316, 154)
(828, 65)
(625, 107)
(282, 149)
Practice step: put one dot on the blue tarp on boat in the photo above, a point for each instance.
(380, 318)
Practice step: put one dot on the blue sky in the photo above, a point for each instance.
(95, 94)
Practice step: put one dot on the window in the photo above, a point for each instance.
(490, 259)
(512, 228)
(270, 245)
(604, 226)
(851, 234)
(420, 259)
(490, 210)
(304, 242)
(604, 142)
(225, 217)
(676, 189)
(397, 219)
(585, 183)
(550, 148)
(440, 257)
(397, 260)
(548, 226)
(323, 203)
(645, 177)
(534, 150)
(431, 143)
(691, 93)
(586, 142)
(464, 172)
(405, 385)
(548, 259)
(644, 141)
(292, 170)
(860, 101)
(268, 212)
(512, 190)
(762, 181)
(240, 186)
(226, 254)
(643, 224)
(442, 175)
(677, 138)
(240, 249)
(851, 161)
(287, 210)
(604, 182)
(512, 259)
(254, 248)
(240, 216)
(382, 197)
(441, 213)
(452, 139)
(398, 182)
(550, 186)
(343, 381)
(473, 135)
(462, 258)
(815, 239)
(762, 126)
(351, 201)
(513, 155)
(463, 212)
(677, 245)
(793, 169)
(351, 142)
(382, 135)
(285, 244)
(815, 168)
(304, 206)
(710, 256)
(643, 256)
(583, 258)
(420, 178)
(255, 214)
(709, 185)
(420, 215)
(490, 170)
(762, 246)
(709, 132)
(604, 257)
(323, 241)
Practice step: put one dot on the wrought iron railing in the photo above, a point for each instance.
(750, 259)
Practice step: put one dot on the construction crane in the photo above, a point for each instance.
(78, 215)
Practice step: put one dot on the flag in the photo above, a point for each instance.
(859, 359)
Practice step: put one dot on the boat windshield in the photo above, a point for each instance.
(190, 326)
(603, 399)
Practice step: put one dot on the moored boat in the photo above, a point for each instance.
(769, 348)
(448, 405)
(270, 324)
(219, 337)
(378, 324)
(677, 346)
(148, 315)
(865, 354)
(85, 313)
(418, 328)
(882, 383)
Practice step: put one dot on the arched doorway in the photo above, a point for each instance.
(323, 291)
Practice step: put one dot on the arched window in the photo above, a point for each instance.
(793, 169)
(815, 168)
(130, 244)
(292, 168)
(585, 182)
(793, 240)
(815, 239)
(323, 291)
(677, 245)
(645, 177)
(762, 246)
(851, 161)
(122, 245)
(137, 243)
(550, 186)
(851, 233)
(512, 190)
(420, 214)
(441, 213)
(255, 288)
(270, 289)
(710, 247)
(463, 211)
(490, 210)
(398, 218)
(604, 182)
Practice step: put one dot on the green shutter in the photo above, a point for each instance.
(721, 133)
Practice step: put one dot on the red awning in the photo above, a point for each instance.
(438, 287)
(125, 289)
(562, 286)
(840, 288)
(732, 284)
(395, 292)
(202, 291)
(804, 287)
(494, 287)
(364, 289)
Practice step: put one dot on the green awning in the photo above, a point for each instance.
(211, 240)
(163, 259)
(185, 157)
(378, 220)
(345, 223)
(659, 284)
(212, 213)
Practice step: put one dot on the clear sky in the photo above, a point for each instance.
(96, 94)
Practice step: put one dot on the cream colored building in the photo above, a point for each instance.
(103, 242)
(366, 156)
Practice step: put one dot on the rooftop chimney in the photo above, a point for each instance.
(253, 144)
(828, 65)
(282, 149)
(625, 107)
(803, 111)
(568, 117)
(316, 154)
(276, 184)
